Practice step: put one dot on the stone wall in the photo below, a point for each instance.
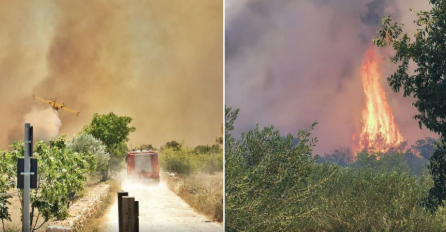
(81, 211)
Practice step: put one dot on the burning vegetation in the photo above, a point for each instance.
(379, 130)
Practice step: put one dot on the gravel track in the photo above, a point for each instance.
(160, 210)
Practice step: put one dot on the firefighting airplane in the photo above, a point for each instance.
(57, 106)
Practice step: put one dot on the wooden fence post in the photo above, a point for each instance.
(120, 195)
(136, 216)
(128, 214)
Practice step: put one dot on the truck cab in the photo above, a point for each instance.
(143, 164)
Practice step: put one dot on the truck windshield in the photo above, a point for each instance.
(143, 164)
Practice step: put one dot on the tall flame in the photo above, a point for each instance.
(378, 125)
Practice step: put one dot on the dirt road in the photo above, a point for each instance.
(161, 210)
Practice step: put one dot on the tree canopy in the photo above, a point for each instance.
(147, 146)
(174, 145)
(113, 131)
(427, 84)
(110, 128)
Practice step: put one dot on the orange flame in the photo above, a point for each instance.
(379, 130)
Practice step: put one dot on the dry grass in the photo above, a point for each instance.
(15, 210)
(203, 192)
(95, 222)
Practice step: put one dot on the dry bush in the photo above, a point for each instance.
(203, 192)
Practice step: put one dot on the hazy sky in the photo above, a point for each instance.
(159, 62)
(292, 62)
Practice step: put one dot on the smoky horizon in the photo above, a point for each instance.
(133, 59)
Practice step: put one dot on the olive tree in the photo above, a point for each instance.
(426, 48)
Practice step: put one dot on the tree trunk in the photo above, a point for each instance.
(105, 173)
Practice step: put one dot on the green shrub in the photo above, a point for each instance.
(186, 161)
(177, 161)
(6, 183)
(368, 200)
(61, 175)
(268, 179)
(86, 143)
(113, 131)
(273, 184)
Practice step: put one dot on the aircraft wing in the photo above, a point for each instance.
(69, 110)
(46, 101)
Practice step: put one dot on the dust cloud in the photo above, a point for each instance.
(159, 62)
(46, 123)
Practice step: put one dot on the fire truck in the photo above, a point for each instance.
(143, 164)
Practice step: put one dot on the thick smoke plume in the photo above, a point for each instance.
(159, 62)
(292, 62)
(46, 123)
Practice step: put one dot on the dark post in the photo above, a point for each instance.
(120, 195)
(128, 214)
(136, 216)
(31, 141)
(26, 180)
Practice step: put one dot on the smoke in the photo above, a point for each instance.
(46, 123)
(159, 62)
(290, 63)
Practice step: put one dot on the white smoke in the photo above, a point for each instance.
(46, 123)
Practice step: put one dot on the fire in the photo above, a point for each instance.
(378, 125)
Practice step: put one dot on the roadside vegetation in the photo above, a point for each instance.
(196, 175)
(65, 168)
(96, 220)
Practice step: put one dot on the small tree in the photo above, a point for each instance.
(173, 145)
(206, 149)
(86, 143)
(147, 146)
(61, 175)
(268, 178)
(424, 147)
(342, 156)
(6, 183)
(114, 132)
(219, 140)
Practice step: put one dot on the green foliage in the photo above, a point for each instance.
(114, 132)
(368, 200)
(204, 149)
(219, 140)
(173, 145)
(416, 164)
(110, 129)
(381, 162)
(86, 143)
(342, 156)
(273, 184)
(187, 161)
(415, 159)
(177, 161)
(424, 147)
(268, 179)
(428, 83)
(147, 146)
(6, 183)
(61, 175)
(437, 169)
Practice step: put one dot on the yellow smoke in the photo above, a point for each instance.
(159, 62)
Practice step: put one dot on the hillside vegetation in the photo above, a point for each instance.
(276, 184)
(198, 176)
